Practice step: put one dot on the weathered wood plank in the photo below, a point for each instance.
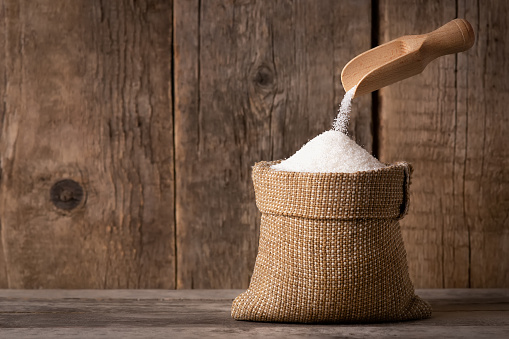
(482, 155)
(3, 73)
(254, 81)
(87, 97)
(455, 296)
(192, 313)
(211, 331)
(450, 123)
(417, 125)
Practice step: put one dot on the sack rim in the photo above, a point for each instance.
(379, 193)
(267, 165)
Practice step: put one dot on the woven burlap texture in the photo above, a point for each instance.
(330, 248)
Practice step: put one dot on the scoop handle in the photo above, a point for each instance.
(453, 37)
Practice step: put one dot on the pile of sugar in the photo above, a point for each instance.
(332, 151)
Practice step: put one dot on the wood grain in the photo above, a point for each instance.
(88, 88)
(483, 97)
(449, 123)
(87, 97)
(464, 313)
(3, 74)
(255, 80)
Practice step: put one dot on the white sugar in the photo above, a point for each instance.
(341, 122)
(331, 151)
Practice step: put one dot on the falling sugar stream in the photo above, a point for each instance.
(341, 122)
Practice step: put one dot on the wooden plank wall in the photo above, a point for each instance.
(156, 110)
(450, 123)
(86, 97)
(254, 81)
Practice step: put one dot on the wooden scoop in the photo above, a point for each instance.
(405, 57)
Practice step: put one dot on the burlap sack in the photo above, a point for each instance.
(331, 248)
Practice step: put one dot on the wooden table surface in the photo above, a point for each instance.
(458, 313)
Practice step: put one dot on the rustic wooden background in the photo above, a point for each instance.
(157, 110)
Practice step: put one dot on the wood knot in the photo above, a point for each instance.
(66, 194)
(264, 76)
